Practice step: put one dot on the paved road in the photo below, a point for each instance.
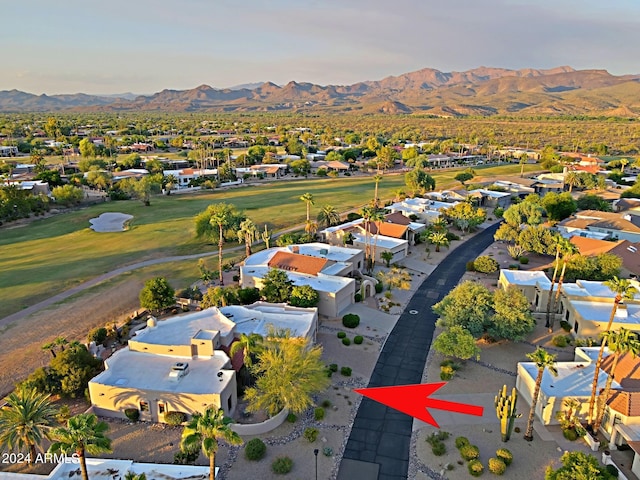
(378, 447)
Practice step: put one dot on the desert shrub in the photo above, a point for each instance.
(452, 236)
(98, 335)
(357, 297)
(469, 452)
(346, 371)
(497, 466)
(438, 448)
(311, 434)
(498, 212)
(236, 278)
(570, 434)
(325, 403)
(565, 325)
(346, 341)
(255, 449)
(515, 251)
(292, 417)
(318, 413)
(475, 468)
(333, 367)
(470, 266)
(523, 260)
(327, 451)
(559, 341)
(132, 414)
(612, 470)
(446, 372)
(514, 266)
(185, 458)
(351, 216)
(351, 320)
(282, 465)
(341, 334)
(461, 442)
(379, 287)
(358, 339)
(485, 264)
(505, 455)
(174, 418)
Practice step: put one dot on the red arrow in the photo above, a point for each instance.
(414, 400)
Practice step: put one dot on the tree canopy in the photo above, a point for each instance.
(157, 294)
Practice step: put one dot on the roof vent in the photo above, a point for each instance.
(632, 249)
(324, 251)
(179, 370)
(295, 249)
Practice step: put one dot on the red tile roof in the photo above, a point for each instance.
(397, 218)
(294, 262)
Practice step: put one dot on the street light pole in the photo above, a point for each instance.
(315, 452)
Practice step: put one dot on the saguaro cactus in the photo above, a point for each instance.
(506, 411)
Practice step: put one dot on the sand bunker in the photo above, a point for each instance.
(110, 222)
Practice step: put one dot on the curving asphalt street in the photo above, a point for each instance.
(378, 447)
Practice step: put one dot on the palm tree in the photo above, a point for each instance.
(308, 199)
(248, 233)
(620, 342)
(84, 433)
(50, 346)
(568, 250)
(328, 216)
(623, 290)
(438, 239)
(544, 361)
(376, 216)
(221, 216)
(61, 342)
(398, 194)
(572, 179)
(203, 431)
(249, 344)
(366, 213)
(26, 420)
(439, 225)
(376, 179)
(623, 163)
(561, 246)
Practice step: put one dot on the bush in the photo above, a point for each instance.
(174, 418)
(514, 266)
(311, 434)
(357, 297)
(498, 212)
(497, 466)
(438, 448)
(132, 414)
(559, 341)
(379, 287)
(318, 413)
(255, 449)
(333, 367)
(327, 451)
(446, 372)
(469, 452)
(570, 434)
(358, 339)
(475, 468)
(565, 325)
(461, 442)
(351, 216)
(485, 264)
(351, 320)
(452, 236)
(470, 266)
(325, 404)
(282, 465)
(346, 371)
(98, 335)
(346, 341)
(341, 334)
(185, 458)
(523, 260)
(505, 455)
(612, 470)
(292, 417)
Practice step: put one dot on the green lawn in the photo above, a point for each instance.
(54, 254)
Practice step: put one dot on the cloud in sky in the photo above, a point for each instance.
(145, 45)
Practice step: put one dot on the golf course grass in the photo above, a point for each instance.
(51, 255)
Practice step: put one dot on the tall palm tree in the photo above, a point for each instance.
(620, 342)
(26, 420)
(250, 345)
(203, 431)
(544, 361)
(328, 216)
(377, 216)
(567, 250)
(572, 179)
(221, 216)
(560, 244)
(50, 347)
(248, 233)
(623, 290)
(376, 179)
(366, 213)
(308, 199)
(83, 434)
(623, 163)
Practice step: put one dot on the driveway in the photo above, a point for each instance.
(378, 447)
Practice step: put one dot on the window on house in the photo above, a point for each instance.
(161, 408)
(575, 327)
(229, 403)
(144, 406)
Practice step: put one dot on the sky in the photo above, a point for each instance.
(144, 46)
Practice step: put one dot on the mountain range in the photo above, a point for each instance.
(482, 91)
